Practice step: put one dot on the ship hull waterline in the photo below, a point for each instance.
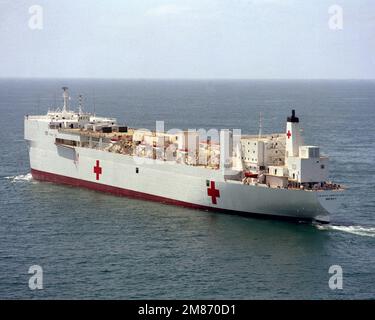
(117, 191)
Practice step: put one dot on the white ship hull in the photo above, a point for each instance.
(177, 184)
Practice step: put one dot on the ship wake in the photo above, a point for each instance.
(357, 230)
(20, 178)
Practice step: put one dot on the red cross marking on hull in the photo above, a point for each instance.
(289, 134)
(97, 170)
(213, 192)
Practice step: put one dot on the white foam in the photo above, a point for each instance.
(357, 230)
(20, 177)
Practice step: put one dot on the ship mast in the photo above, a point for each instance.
(66, 98)
(80, 104)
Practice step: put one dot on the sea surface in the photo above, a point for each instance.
(93, 245)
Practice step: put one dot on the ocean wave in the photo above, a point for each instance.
(20, 177)
(357, 230)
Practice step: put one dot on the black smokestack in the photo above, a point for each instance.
(293, 118)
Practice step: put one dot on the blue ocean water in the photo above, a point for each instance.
(93, 245)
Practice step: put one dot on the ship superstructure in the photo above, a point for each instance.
(268, 175)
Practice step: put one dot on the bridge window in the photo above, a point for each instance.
(66, 142)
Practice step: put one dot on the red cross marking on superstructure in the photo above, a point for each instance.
(289, 134)
(213, 192)
(97, 170)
